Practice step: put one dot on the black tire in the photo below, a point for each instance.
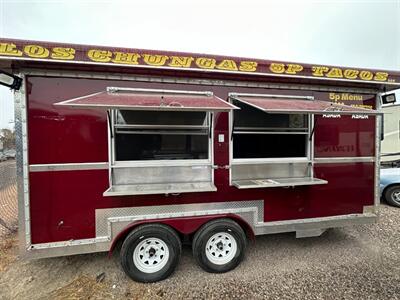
(210, 229)
(138, 236)
(392, 195)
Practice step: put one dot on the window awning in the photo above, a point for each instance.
(155, 100)
(296, 106)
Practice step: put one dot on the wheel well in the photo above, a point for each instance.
(248, 230)
(185, 226)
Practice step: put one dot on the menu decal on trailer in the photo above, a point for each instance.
(355, 100)
(78, 54)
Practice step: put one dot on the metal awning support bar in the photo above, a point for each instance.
(112, 89)
(109, 123)
(238, 95)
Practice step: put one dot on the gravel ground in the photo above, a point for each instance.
(7, 173)
(360, 262)
(8, 200)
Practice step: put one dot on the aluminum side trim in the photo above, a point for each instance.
(336, 160)
(21, 130)
(315, 223)
(68, 167)
(378, 133)
(66, 243)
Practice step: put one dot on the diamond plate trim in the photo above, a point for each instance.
(111, 220)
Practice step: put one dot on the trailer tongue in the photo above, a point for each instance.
(150, 148)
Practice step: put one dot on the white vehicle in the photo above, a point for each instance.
(2, 157)
(10, 154)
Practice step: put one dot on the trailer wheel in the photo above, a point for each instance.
(219, 246)
(392, 195)
(150, 253)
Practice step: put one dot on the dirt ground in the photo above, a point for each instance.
(360, 262)
(8, 199)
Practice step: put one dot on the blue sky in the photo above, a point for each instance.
(352, 33)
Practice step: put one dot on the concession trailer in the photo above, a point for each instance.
(143, 150)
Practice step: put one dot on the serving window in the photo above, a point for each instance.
(270, 149)
(160, 141)
(272, 139)
(258, 135)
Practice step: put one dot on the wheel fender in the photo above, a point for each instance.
(183, 225)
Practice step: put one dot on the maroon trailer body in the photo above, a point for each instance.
(148, 148)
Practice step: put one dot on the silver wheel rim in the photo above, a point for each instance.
(221, 248)
(396, 196)
(151, 255)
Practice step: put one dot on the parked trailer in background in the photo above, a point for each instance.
(391, 143)
(149, 149)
